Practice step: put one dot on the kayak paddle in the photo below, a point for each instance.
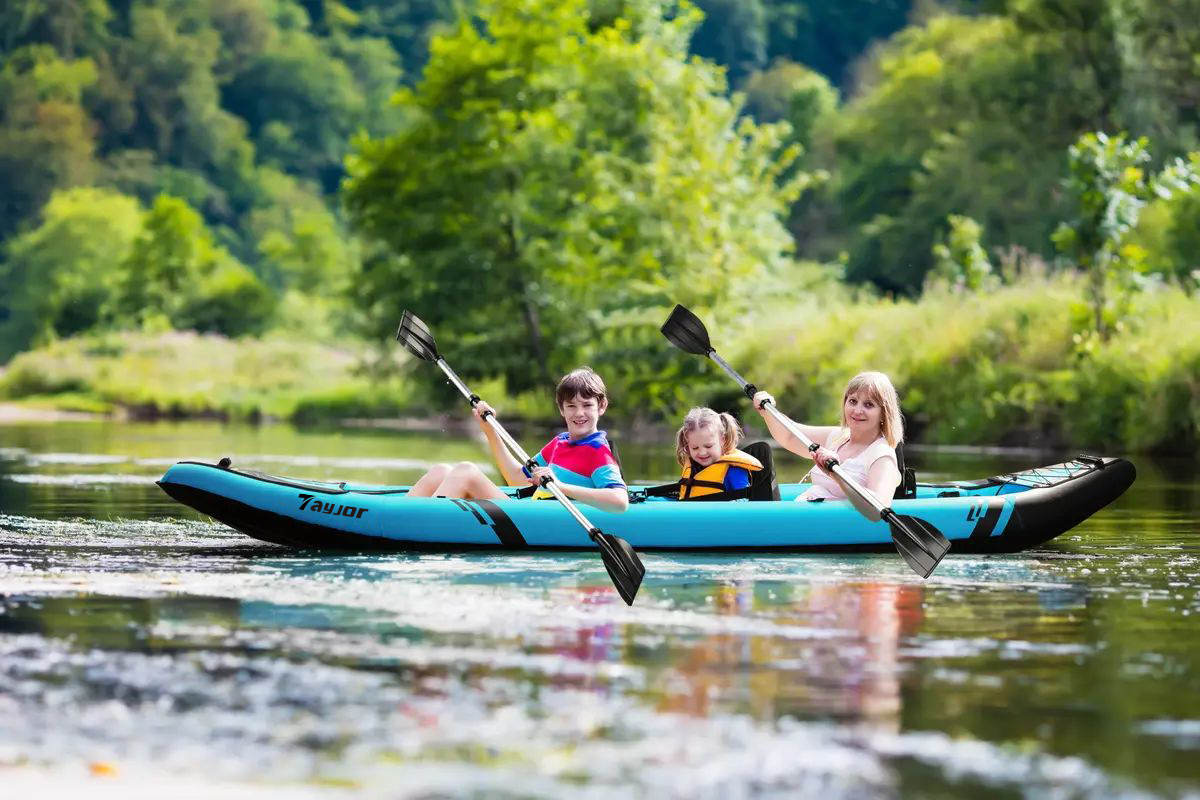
(620, 559)
(921, 544)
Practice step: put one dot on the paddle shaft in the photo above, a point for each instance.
(548, 483)
(831, 465)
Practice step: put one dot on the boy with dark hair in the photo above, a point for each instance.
(579, 459)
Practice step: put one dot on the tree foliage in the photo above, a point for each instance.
(557, 174)
(965, 116)
(830, 37)
(45, 141)
(61, 274)
(176, 276)
(733, 33)
(1110, 185)
(960, 260)
(556, 178)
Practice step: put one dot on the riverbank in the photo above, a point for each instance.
(184, 375)
(1014, 367)
(14, 414)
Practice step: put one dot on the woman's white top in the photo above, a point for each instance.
(857, 467)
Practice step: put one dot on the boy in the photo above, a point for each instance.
(580, 459)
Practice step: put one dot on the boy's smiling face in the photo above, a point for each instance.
(582, 415)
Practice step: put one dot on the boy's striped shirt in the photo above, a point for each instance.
(588, 462)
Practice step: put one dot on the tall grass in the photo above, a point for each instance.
(1004, 367)
(187, 374)
(1008, 366)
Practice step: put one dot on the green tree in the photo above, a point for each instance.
(794, 93)
(71, 27)
(61, 275)
(1183, 233)
(169, 66)
(1162, 72)
(304, 252)
(302, 105)
(45, 133)
(408, 25)
(830, 36)
(176, 276)
(960, 116)
(959, 258)
(555, 176)
(1088, 33)
(1110, 185)
(733, 34)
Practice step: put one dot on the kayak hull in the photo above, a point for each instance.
(1006, 513)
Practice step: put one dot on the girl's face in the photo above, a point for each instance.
(704, 445)
(862, 414)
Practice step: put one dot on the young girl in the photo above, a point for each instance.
(579, 459)
(864, 444)
(713, 467)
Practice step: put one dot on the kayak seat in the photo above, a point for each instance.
(763, 485)
(907, 490)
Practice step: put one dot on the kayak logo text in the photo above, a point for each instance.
(318, 507)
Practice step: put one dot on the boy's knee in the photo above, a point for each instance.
(465, 466)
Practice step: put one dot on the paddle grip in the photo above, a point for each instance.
(474, 398)
(531, 465)
(829, 464)
(750, 389)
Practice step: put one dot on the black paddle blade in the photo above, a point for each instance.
(922, 545)
(416, 337)
(685, 330)
(622, 563)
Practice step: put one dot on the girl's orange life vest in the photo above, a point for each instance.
(708, 483)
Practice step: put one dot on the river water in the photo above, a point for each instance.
(147, 651)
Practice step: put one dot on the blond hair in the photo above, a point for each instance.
(582, 382)
(697, 418)
(877, 387)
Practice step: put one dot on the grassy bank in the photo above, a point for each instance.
(1010, 366)
(189, 375)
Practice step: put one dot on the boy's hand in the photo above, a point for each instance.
(538, 473)
(760, 398)
(480, 409)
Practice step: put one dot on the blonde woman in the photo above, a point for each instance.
(864, 444)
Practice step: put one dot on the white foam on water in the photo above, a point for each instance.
(1183, 733)
(82, 479)
(98, 459)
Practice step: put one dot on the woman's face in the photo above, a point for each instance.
(704, 445)
(862, 414)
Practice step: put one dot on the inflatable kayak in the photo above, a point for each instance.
(1004, 513)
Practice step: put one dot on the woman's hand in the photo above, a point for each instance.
(821, 455)
(760, 398)
(537, 473)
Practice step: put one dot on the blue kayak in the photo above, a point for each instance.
(1004, 513)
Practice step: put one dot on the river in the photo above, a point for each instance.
(147, 651)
